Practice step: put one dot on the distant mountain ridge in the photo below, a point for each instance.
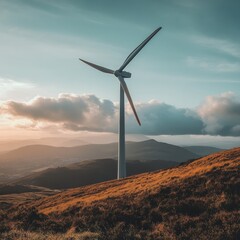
(69, 141)
(203, 150)
(27, 159)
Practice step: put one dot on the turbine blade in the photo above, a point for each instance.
(100, 68)
(125, 88)
(138, 49)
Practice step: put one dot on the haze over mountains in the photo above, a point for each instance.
(203, 150)
(25, 160)
(6, 146)
(197, 200)
(104, 138)
(69, 141)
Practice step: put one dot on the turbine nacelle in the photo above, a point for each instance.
(123, 74)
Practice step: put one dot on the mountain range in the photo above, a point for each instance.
(69, 141)
(26, 160)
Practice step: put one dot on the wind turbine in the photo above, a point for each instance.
(120, 74)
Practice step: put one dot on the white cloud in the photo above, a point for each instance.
(87, 112)
(71, 111)
(9, 84)
(218, 115)
(9, 87)
(220, 45)
(213, 65)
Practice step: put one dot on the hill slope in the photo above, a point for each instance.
(196, 200)
(89, 172)
(27, 159)
(17, 188)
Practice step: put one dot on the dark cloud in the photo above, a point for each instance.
(160, 118)
(218, 115)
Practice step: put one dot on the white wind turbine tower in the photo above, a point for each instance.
(120, 74)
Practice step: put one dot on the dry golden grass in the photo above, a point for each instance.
(138, 184)
(196, 200)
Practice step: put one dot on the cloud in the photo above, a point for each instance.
(213, 65)
(221, 115)
(12, 88)
(230, 50)
(72, 111)
(7, 84)
(221, 45)
(160, 118)
(218, 115)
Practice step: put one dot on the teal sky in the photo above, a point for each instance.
(195, 55)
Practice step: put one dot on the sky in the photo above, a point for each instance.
(186, 81)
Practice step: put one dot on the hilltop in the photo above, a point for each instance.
(196, 200)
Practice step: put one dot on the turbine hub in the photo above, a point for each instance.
(123, 74)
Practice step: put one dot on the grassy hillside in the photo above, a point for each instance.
(11, 194)
(196, 200)
(17, 188)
